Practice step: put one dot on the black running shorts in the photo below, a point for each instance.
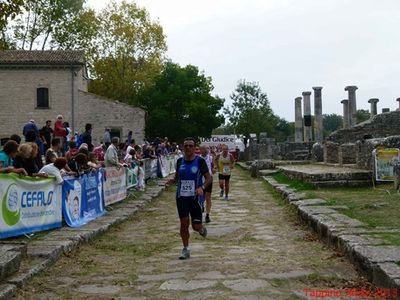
(224, 177)
(190, 206)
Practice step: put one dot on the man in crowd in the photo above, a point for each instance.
(111, 156)
(45, 133)
(225, 163)
(204, 153)
(107, 137)
(190, 170)
(87, 136)
(54, 151)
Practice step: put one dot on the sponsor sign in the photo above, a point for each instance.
(217, 140)
(114, 185)
(385, 159)
(132, 177)
(28, 204)
(83, 198)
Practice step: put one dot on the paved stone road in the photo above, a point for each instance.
(255, 250)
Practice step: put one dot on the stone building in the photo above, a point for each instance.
(40, 85)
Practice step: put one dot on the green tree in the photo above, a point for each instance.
(129, 52)
(331, 123)
(362, 115)
(282, 129)
(9, 10)
(36, 28)
(250, 111)
(179, 104)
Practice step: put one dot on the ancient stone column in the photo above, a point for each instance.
(374, 109)
(298, 123)
(352, 104)
(345, 103)
(307, 116)
(318, 137)
(398, 100)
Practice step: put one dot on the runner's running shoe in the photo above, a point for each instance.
(185, 254)
(221, 193)
(204, 232)
(208, 220)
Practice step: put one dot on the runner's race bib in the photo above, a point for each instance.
(227, 169)
(187, 188)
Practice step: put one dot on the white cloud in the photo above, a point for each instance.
(288, 46)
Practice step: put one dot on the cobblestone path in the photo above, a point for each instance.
(255, 249)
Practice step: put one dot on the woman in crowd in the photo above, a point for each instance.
(92, 161)
(26, 159)
(72, 150)
(130, 158)
(79, 163)
(7, 156)
(121, 152)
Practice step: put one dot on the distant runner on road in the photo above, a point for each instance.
(190, 170)
(205, 154)
(225, 162)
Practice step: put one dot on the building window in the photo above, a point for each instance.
(42, 99)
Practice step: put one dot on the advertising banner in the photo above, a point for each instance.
(384, 163)
(164, 168)
(83, 198)
(132, 177)
(217, 140)
(28, 204)
(114, 185)
(150, 168)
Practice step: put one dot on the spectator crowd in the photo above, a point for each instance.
(57, 151)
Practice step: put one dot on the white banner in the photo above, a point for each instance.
(217, 140)
(28, 204)
(114, 185)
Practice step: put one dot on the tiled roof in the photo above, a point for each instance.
(57, 57)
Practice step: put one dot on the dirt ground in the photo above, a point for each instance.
(255, 249)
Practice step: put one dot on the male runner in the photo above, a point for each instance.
(225, 162)
(205, 154)
(190, 170)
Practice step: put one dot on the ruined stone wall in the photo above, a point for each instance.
(331, 153)
(364, 156)
(380, 126)
(347, 153)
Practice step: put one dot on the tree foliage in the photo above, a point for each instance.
(179, 104)
(362, 115)
(250, 111)
(129, 52)
(331, 123)
(124, 49)
(39, 25)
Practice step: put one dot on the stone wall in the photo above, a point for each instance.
(364, 157)
(382, 125)
(18, 88)
(295, 151)
(18, 97)
(102, 113)
(331, 153)
(347, 153)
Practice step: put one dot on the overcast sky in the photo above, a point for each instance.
(288, 46)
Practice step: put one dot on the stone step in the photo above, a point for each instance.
(328, 176)
(341, 183)
(11, 255)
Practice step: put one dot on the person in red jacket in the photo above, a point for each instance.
(59, 130)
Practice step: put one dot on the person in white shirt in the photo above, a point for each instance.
(55, 169)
